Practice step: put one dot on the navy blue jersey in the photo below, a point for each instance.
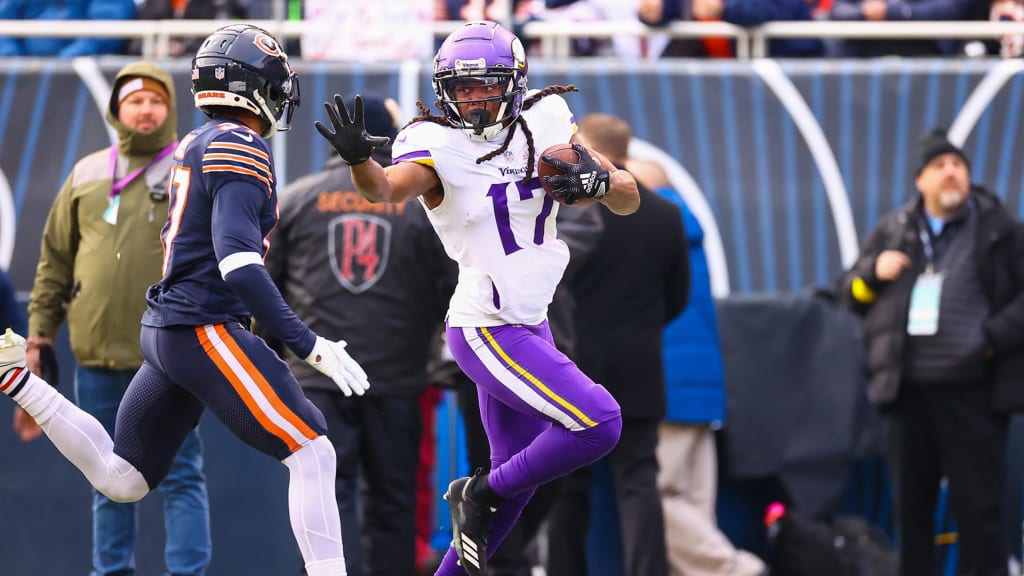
(222, 203)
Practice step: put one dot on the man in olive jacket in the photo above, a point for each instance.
(939, 285)
(100, 251)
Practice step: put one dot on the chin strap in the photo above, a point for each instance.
(271, 121)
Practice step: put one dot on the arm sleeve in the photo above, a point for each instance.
(238, 244)
(52, 289)
(276, 263)
(858, 286)
(1004, 330)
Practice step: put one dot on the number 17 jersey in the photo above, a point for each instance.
(495, 219)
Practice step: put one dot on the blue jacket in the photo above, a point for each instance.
(907, 10)
(756, 12)
(63, 10)
(694, 376)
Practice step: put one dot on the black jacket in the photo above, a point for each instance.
(999, 254)
(375, 275)
(634, 283)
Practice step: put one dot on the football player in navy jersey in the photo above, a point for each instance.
(195, 339)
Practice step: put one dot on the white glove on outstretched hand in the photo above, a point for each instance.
(332, 359)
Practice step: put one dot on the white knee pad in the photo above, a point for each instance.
(123, 483)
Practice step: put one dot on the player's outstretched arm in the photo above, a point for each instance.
(347, 134)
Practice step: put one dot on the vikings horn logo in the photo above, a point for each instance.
(359, 245)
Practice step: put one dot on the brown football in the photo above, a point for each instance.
(562, 152)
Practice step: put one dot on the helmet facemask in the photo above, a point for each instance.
(473, 90)
(480, 62)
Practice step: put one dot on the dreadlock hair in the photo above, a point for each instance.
(426, 116)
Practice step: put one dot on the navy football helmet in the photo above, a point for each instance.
(242, 66)
(484, 54)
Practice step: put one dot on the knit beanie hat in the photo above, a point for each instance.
(132, 84)
(934, 144)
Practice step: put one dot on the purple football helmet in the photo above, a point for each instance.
(481, 54)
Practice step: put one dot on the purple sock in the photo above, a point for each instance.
(553, 454)
(448, 565)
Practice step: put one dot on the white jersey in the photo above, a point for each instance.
(495, 220)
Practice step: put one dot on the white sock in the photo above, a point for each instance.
(81, 439)
(313, 508)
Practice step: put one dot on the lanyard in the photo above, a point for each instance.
(119, 185)
(926, 243)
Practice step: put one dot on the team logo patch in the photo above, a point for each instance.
(267, 44)
(359, 245)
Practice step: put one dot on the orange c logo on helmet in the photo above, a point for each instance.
(267, 44)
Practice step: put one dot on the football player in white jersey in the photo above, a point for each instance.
(474, 168)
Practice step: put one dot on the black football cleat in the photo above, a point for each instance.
(471, 526)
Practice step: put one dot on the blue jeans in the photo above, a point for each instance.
(186, 507)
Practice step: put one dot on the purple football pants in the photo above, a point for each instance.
(544, 418)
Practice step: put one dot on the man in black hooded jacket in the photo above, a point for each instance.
(939, 283)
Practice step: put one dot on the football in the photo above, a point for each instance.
(562, 152)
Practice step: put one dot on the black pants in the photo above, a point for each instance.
(951, 432)
(377, 439)
(511, 558)
(635, 473)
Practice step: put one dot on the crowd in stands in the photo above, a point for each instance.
(654, 13)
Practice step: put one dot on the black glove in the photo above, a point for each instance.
(584, 179)
(349, 138)
(49, 370)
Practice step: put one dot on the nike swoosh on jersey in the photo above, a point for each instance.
(246, 137)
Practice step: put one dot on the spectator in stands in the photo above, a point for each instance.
(634, 283)
(520, 12)
(582, 11)
(695, 402)
(186, 9)
(897, 11)
(738, 12)
(1010, 45)
(378, 275)
(64, 10)
(939, 285)
(114, 202)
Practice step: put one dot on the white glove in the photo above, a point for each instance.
(332, 359)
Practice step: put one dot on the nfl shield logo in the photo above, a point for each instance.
(218, 72)
(359, 245)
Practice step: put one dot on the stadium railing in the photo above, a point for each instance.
(555, 37)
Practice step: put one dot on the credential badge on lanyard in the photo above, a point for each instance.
(114, 200)
(926, 297)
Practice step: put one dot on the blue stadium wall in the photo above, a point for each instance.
(790, 164)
